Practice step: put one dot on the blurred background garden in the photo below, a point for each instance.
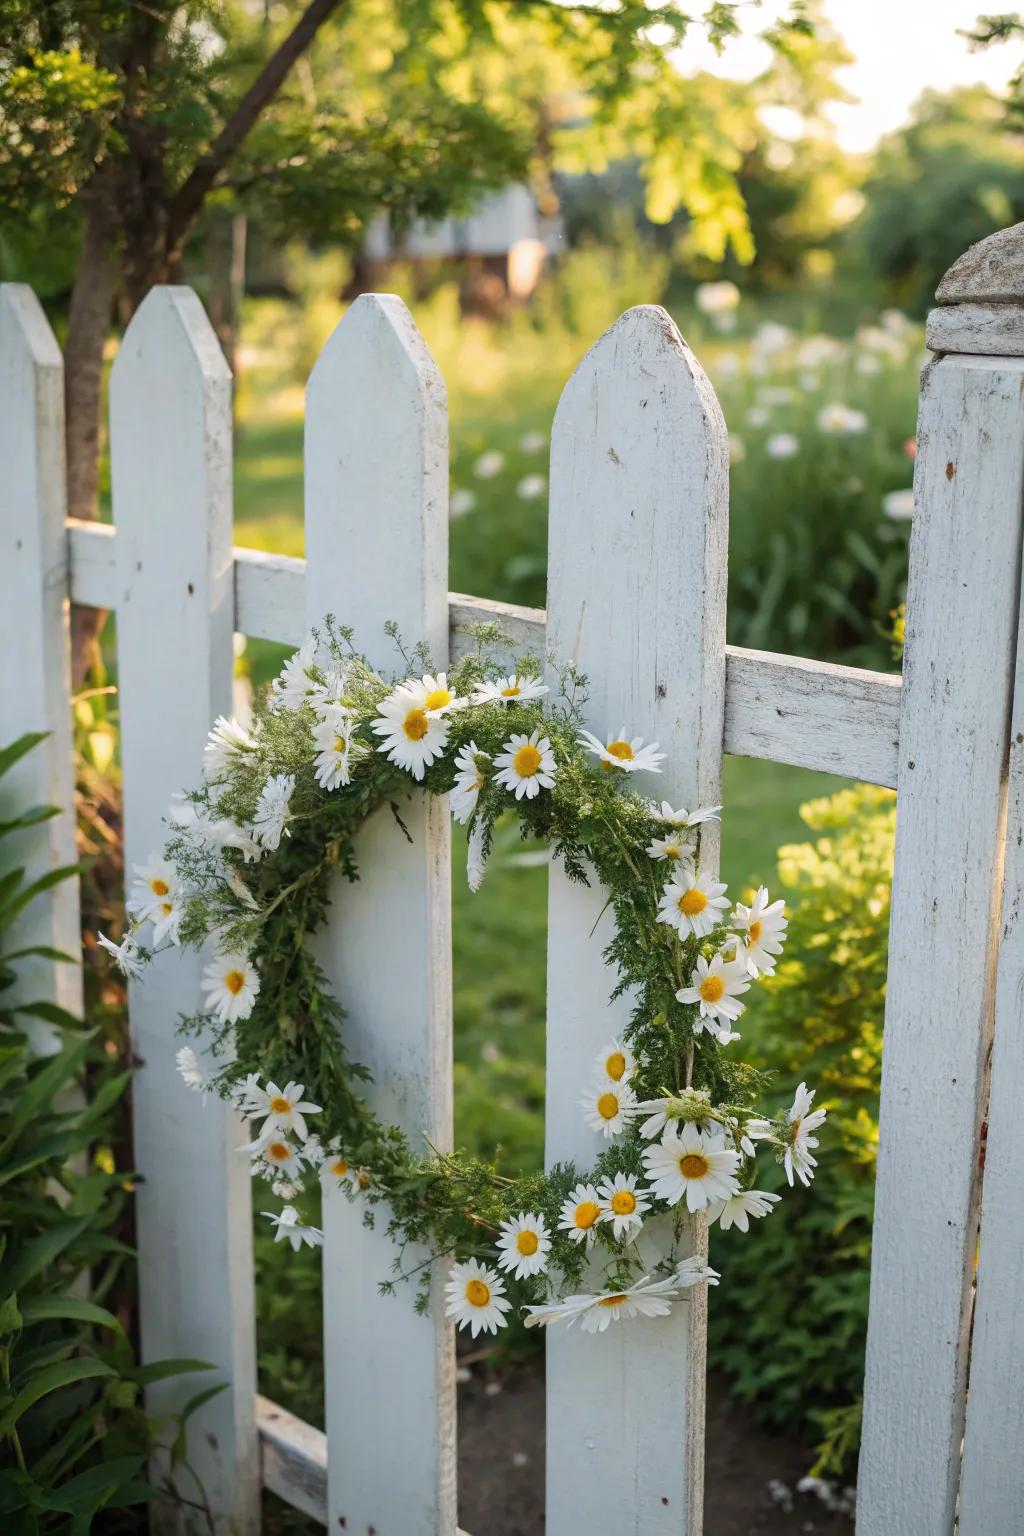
(521, 175)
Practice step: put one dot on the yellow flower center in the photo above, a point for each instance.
(692, 901)
(167, 907)
(615, 1066)
(794, 1130)
(608, 1106)
(159, 887)
(278, 1152)
(439, 699)
(511, 693)
(526, 761)
(416, 725)
(234, 981)
(613, 1301)
(622, 750)
(712, 989)
(754, 932)
(339, 1167)
(672, 851)
(623, 1202)
(693, 1166)
(280, 1105)
(527, 1243)
(339, 743)
(586, 1214)
(477, 1293)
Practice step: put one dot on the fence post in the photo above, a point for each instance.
(962, 617)
(986, 313)
(377, 549)
(636, 596)
(170, 403)
(35, 684)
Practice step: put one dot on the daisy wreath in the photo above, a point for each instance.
(248, 867)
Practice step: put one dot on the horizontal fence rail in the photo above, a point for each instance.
(785, 709)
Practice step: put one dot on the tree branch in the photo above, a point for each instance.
(190, 196)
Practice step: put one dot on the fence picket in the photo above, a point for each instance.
(35, 685)
(951, 783)
(170, 401)
(377, 542)
(636, 574)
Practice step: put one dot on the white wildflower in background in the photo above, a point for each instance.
(470, 777)
(489, 464)
(899, 505)
(336, 750)
(693, 1165)
(762, 932)
(771, 338)
(191, 1073)
(531, 487)
(272, 809)
(516, 689)
(283, 1109)
(683, 818)
(475, 1298)
(623, 752)
(716, 298)
(125, 955)
(461, 503)
(607, 1107)
(716, 986)
(225, 741)
(412, 724)
(533, 442)
(758, 416)
(524, 1245)
(782, 445)
(526, 765)
(580, 1214)
(867, 365)
(616, 1063)
(231, 984)
(476, 860)
(293, 686)
(692, 903)
(737, 1210)
(737, 448)
(801, 1120)
(818, 351)
(623, 1205)
(841, 420)
(291, 1230)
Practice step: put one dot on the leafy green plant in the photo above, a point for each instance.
(792, 1336)
(74, 1437)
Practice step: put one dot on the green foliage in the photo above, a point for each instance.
(792, 1333)
(74, 1437)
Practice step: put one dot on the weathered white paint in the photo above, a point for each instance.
(35, 682)
(989, 272)
(997, 329)
(787, 709)
(377, 541)
(958, 681)
(636, 596)
(170, 401)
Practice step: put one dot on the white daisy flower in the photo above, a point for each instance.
(607, 1107)
(841, 420)
(695, 1271)
(524, 1245)
(616, 1063)
(737, 1209)
(284, 1109)
(272, 809)
(526, 765)
(231, 984)
(292, 1230)
(762, 932)
(476, 860)
(675, 848)
(166, 919)
(801, 1121)
(580, 1214)
(461, 502)
(125, 955)
(692, 903)
(155, 884)
(684, 818)
(782, 445)
(470, 777)
(413, 734)
(336, 750)
(192, 1074)
(657, 1112)
(225, 741)
(273, 1155)
(716, 987)
(629, 754)
(293, 687)
(646, 1298)
(488, 465)
(899, 505)
(476, 1298)
(623, 1205)
(335, 1168)
(692, 1164)
(531, 487)
(510, 690)
(565, 1311)
(533, 442)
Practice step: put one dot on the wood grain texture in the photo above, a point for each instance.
(992, 1478)
(376, 535)
(35, 683)
(996, 329)
(170, 403)
(990, 272)
(636, 582)
(958, 681)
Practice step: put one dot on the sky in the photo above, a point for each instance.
(901, 47)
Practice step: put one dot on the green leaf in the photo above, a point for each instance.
(10, 1316)
(17, 749)
(35, 1255)
(50, 1379)
(106, 1095)
(54, 1147)
(94, 1488)
(44, 1084)
(74, 1308)
(10, 909)
(44, 951)
(160, 1370)
(29, 818)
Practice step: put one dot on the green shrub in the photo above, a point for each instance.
(791, 1330)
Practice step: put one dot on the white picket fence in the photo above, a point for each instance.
(637, 583)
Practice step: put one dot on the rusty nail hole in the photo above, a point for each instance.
(662, 691)
(950, 470)
(343, 1522)
(191, 589)
(911, 763)
(663, 1499)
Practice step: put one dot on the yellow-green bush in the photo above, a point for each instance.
(790, 1331)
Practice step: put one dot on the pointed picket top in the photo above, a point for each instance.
(378, 329)
(989, 272)
(170, 327)
(24, 328)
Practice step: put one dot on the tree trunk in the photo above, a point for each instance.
(88, 322)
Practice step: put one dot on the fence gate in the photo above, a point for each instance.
(637, 583)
